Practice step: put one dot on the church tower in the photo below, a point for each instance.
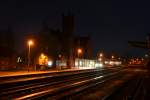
(68, 24)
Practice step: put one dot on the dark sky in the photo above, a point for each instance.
(110, 23)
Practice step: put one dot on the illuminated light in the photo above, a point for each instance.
(100, 59)
(59, 55)
(101, 55)
(90, 65)
(42, 56)
(91, 62)
(97, 65)
(117, 63)
(79, 50)
(80, 63)
(50, 63)
(98, 77)
(61, 63)
(112, 57)
(43, 59)
(111, 62)
(120, 62)
(19, 60)
(146, 55)
(86, 63)
(101, 65)
(76, 63)
(30, 42)
(106, 62)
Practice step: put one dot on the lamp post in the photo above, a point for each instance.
(30, 43)
(100, 57)
(112, 57)
(79, 51)
(101, 54)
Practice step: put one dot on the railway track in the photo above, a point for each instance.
(55, 86)
(130, 90)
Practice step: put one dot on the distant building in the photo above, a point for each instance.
(61, 45)
(7, 52)
(83, 42)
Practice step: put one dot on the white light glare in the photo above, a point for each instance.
(101, 65)
(50, 63)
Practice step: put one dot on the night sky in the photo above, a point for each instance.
(110, 23)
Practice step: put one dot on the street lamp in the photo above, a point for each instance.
(79, 51)
(101, 55)
(112, 57)
(30, 43)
